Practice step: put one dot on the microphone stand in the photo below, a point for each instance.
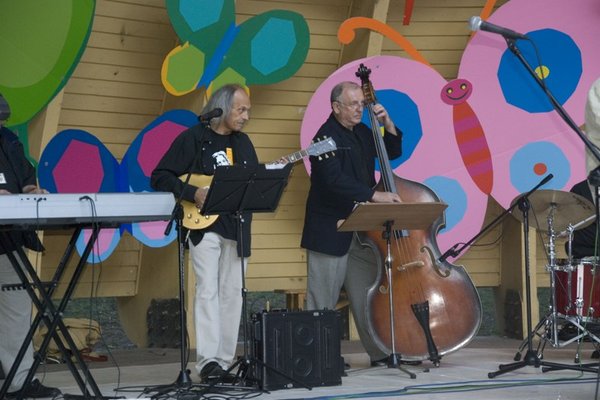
(458, 248)
(183, 380)
(512, 46)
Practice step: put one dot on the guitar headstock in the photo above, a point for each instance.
(321, 147)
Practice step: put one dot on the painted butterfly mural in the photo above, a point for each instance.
(266, 48)
(41, 43)
(490, 132)
(75, 161)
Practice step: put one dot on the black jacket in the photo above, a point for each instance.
(338, 182)
(584, 239)
(184, 155)
(13, 153)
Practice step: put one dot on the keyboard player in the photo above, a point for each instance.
(17, 175)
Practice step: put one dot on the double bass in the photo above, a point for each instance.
(436, 307)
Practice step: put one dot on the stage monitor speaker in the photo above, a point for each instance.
(302, 345)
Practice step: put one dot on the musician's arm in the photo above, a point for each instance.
(33, 189)
(393, 144)
(176, 161)
(329, 176)
(384, 119)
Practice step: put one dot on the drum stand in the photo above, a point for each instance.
(576, 321)
(547, 328)
(532, 357)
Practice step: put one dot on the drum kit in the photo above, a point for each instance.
(574, 304)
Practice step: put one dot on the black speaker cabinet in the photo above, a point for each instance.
(297, 347)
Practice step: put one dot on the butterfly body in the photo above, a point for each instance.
(75, 161)
(473, 146)
(266, 48)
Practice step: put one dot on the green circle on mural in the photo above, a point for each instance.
(41, 43)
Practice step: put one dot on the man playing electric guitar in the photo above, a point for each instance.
(214, 251)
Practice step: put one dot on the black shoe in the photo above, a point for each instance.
(379, 363)
(35, 390)
(384, 362)
(409, 362)
(211, 371)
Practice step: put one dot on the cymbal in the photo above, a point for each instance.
(569, 208)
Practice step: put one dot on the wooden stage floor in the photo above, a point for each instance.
(461, 375)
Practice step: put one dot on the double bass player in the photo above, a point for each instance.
(337, 184)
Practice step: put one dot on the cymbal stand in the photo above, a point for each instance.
(531, 357)
(594, 179)
(552, 268)
(547, 329)
(549, 322)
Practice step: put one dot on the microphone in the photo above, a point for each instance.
(207, 116)
(477, 24)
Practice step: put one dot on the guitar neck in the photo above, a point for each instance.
(296, 156)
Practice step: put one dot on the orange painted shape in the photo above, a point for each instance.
(346, 35)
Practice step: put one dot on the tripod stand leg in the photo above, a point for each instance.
(576, 367)
(530, 358)
(394, 362)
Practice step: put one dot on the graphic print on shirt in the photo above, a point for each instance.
(221, 158)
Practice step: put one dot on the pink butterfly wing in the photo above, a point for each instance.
(435, 159)
(527, 143)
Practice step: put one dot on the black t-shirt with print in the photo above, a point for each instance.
(217, 151)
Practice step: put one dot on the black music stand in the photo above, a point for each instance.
(386, 216)
(236, 190)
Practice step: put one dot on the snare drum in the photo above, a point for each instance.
(578, 289)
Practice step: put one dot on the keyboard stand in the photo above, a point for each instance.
(52, 316)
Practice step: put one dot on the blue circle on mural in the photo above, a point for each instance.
(532, 162)
(561, 62)
(405, 114)
(450, 192)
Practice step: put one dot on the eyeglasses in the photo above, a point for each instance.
(355, 104)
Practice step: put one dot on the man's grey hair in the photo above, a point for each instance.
(223, 99)
(337, 90)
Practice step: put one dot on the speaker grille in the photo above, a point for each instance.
(297, 347)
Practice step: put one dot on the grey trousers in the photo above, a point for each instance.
(356, 271)
(15, 320)
(218, 299)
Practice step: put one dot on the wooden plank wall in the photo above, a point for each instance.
(277, 114)
(116, 91)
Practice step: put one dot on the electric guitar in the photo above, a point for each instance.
(193, 219)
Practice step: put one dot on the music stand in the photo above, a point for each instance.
(236, 190)
(386, 216)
